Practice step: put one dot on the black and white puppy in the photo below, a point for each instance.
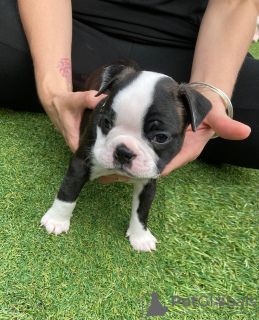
(135, 132)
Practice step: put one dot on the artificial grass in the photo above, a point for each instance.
(90, 273)
(212, 230)
(205, 218)
(212, 227)
(254, 50)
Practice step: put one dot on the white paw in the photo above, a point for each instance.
(57, 218)
(142, 240)
(54, 223)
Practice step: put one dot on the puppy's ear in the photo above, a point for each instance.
(196, 105)
(113, 74)
(110, 76)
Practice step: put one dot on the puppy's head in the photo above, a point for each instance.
(143, 121)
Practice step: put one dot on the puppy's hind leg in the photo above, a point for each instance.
(140, 237)
(57, 218)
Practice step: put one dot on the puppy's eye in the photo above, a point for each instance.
(160, 138)
(107, 123)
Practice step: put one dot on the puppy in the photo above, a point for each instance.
(135, 131)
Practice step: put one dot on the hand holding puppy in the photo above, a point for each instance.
(217, 121)
(66, 113)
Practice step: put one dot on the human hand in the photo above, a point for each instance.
(113, 178)
(216, 121)
(66, 111)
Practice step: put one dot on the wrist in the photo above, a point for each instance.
(215, 103)
(53, 79)
(49, 87)
(216, 96)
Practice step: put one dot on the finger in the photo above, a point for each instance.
(228, 128)
(193, 146)
(77, 102)
(72, 140)
(84, 100)
(73, 144)
(70, 109)
(92, 100)
(112, 178)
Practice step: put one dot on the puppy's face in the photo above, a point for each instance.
(141, 126)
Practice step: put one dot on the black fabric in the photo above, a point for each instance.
(171, 22)
(92, 48)
(17, 84)
(245, 101)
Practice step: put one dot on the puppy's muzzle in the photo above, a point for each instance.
(123, 155)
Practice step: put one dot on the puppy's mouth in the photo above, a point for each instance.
(127, 162)
(122, 168)
(125, 170)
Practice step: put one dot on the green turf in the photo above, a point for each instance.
(254, 50)
(205, 218)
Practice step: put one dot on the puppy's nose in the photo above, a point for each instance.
(123, 154)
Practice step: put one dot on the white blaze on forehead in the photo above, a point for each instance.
(133, 101)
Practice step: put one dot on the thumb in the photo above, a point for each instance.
(90, 99)
(228, 128)
(81, 100)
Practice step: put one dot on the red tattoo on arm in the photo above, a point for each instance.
(64, 66)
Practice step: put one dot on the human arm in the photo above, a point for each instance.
(48, 28)
(225, 36)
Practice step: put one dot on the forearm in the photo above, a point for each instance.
(225, 36)
(48, 27)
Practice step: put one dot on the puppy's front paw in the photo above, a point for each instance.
(142, 240)
(54, 223)
(57, 218)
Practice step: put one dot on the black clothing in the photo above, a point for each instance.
(164, 22)
(95, 44)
